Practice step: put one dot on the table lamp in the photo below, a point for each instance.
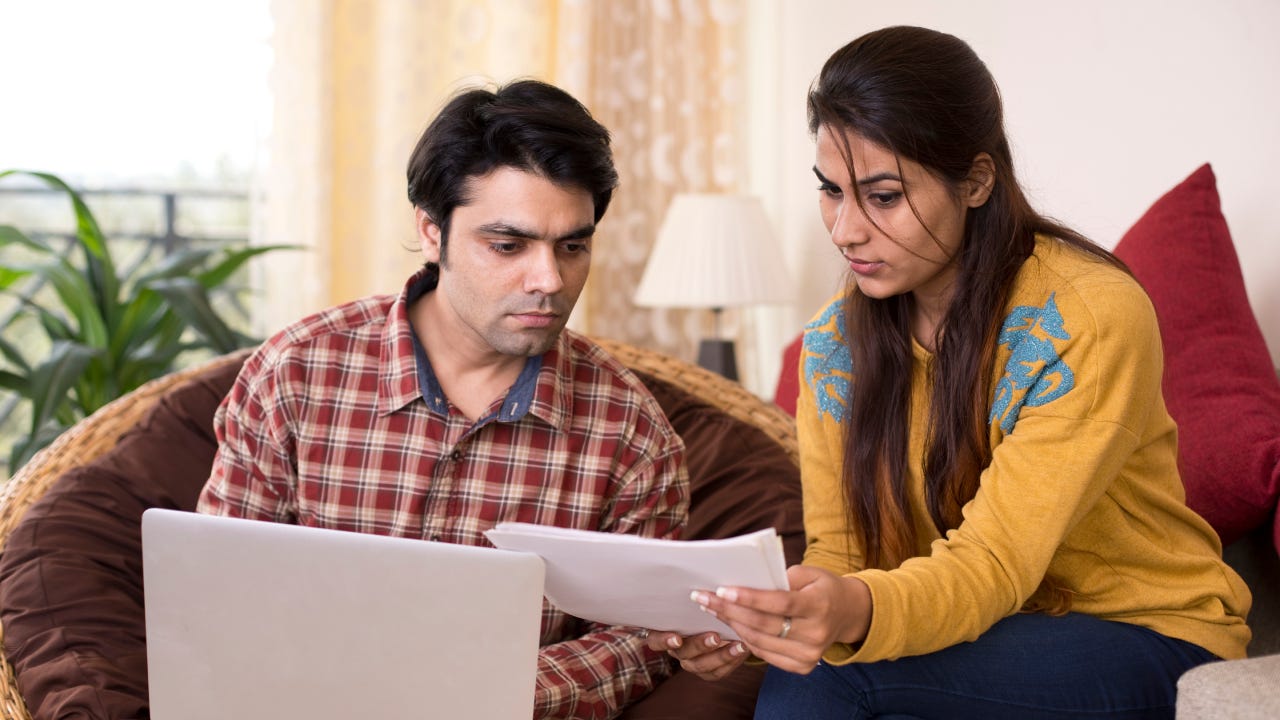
(714, 251)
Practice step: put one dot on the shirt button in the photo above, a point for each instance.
(435, 538)
(456, 455)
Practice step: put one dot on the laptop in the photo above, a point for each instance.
(248, 619)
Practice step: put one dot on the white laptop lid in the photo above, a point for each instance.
(249, 619)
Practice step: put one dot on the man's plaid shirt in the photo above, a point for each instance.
(338, 422)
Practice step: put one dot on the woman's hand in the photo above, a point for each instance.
(791, 629)
(707, 655)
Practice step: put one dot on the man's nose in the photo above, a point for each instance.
(542, 275)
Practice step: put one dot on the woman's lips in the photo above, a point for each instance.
(864, 267)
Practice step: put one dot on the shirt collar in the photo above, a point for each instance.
(543, 389)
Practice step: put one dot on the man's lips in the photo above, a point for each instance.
(536, 319)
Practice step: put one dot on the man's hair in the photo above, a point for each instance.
(527, 125)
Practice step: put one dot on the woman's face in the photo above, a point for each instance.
(889, 249)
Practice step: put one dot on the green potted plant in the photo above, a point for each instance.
(104, 331)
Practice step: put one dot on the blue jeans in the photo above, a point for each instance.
(1025, 667)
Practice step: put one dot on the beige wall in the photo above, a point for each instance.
(1108, 104)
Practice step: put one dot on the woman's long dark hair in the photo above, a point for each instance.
(927, 97)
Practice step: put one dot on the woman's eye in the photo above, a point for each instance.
(884, 199)
(829, 189)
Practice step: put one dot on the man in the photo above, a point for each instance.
(464, 402)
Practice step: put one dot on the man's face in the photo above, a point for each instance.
(518, 256)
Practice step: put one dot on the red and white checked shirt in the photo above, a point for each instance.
(338, 422)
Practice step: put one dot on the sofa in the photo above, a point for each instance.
(1221, 388)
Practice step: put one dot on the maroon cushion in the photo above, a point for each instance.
(71, 575)
(71, 572)
(1219, 383)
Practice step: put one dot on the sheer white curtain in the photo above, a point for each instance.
(356, 81)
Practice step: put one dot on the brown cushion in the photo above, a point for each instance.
(741, 481)
(71, 572)
(70, 575)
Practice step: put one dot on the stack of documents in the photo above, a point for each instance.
(621, 579)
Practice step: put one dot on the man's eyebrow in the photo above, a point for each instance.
(513, 231)
(871, 180)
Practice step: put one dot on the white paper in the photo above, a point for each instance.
(620, 579)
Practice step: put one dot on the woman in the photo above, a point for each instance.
(995, 520)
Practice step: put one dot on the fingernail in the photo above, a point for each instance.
(712, 641)
(699, 597)
(727, 593)
(708, 610)
(737, 649)
(674, 642)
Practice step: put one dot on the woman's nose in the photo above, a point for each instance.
(850, 226)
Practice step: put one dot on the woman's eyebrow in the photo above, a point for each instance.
(870, 180)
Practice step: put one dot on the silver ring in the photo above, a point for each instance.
(644, 633)
(786, 627)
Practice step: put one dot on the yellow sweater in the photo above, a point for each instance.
(1083, 483)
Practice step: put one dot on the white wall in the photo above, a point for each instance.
(1108, 105)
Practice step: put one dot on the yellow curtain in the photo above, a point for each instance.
(356, 81)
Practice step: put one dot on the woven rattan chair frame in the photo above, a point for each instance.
(98, 433)
(714, 389)
(79, 445)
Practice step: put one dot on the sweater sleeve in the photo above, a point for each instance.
(1079, 379)
(818, 427)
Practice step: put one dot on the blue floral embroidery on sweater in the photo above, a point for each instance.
(827, 364)
(1035, 374)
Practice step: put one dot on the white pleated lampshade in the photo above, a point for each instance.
(714, 251)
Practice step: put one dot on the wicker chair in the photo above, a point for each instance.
(79, 445)
(94, 435)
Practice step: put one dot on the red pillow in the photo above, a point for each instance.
(788, 388)
(1219, 383)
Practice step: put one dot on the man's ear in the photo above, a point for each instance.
(981, 180)
(429, 236)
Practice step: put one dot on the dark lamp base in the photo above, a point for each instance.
(717, 356)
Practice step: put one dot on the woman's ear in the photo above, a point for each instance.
(981, 180)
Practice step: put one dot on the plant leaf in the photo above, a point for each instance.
(236, 257)
(24, 449)
(54, 377)
(13, 355)
(80, 300)
(100, 269)
(10, 235)
(176, 264)
(188, 299)
(14, 382)
(11, 275)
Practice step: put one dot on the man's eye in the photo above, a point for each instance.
(505, 248)
(575, 247)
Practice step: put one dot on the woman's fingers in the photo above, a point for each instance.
(791, 629)
(706, 655)
(660, 641)
(716, 663)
